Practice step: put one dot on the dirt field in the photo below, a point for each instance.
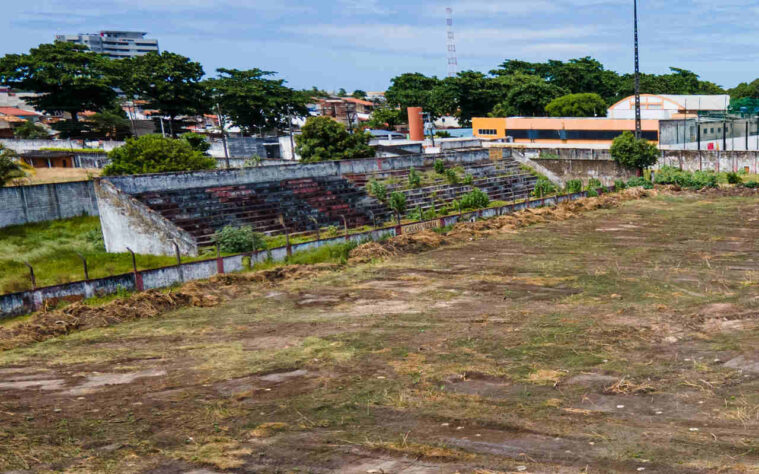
(622, 341)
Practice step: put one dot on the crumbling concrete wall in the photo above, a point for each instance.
(127, 223)
(605, 171)
(46, 202)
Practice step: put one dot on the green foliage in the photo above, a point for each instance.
(30, 131)
(254, 101)
(324, 139)
(594, 183)
(633, 153)
(397, 203)
(752, 184)
(414, 178)
(686, 179)
(734, 178)
(619, 185)
(95, 238)
(378, 190)
(110, 124)
(468, 180)
(639, 181)
(156, 154)
(412, 90)
(451, 176)
(359, 94)
(443, 134)
(196, 141)
(544, 187)
(239, 240)
(577, 105)
(439, 166)
(527, 96)
(168, 82)
(475, 199)
(592, 192)
(9, 167)
(253, 162)
(386, 118)
(573, 186)
(69, 78)
(334, 253)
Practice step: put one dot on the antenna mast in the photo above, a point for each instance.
(453, 62)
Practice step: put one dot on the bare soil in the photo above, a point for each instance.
(621, 340)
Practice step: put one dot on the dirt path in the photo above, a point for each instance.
(623, 341)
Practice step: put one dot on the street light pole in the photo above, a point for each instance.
(638, 127)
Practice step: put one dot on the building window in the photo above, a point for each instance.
(487, 131)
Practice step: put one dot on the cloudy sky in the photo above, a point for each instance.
(361, 44)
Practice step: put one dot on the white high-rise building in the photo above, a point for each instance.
(115, 44)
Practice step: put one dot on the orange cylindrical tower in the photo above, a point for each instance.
(415, 124)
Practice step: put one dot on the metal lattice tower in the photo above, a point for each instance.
(638, 127)
(453, 62)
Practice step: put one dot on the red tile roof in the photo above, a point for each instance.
(17, 112)
(358, 101)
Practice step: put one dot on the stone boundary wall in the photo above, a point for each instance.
(46, 202)
(14, 304)
(22, 146)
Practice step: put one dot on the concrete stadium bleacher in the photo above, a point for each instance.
(298, 202)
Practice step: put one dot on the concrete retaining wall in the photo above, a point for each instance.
(234, 177)
(22, 146)
(46, 202)
(129, 224)
(14, 304)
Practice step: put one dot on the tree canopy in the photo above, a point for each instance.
(156, 154)
(634, 153)
(9, 167)
(324, 139)
(168, 82)
(253, 101)
(30, 130)
(68, 77)
(577, 105)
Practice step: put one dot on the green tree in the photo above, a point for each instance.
(253, 101)
(9, 167)
(111, 124)
(324, 139)
(29, 130)
(397, 203)
(634, 153)
(528, 96)
(342, 93)
(385, 118)
(577, 105)
(69, 78)
(197, 142)
(413, 90)
(359, 94)
(156, 154)
(168, 82)
(469, 94)
(745, 90)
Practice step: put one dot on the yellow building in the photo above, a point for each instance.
(549, 130)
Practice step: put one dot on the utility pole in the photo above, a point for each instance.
(223, 127)
(638, 126)
(292, 143)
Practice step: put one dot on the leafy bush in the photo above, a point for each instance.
(734, 178)
(78, 151)
(9, 167)
(574, 186)
(635, 153)
(334, 253)
(639, 181)
(619, 185)
(397, 203)
(414, 178)
(475, 199)
(594, 183)
(253, 162)
(468, 180)
(239, 239)
(543, 187)
(451, 176)
(686, 179)
(95, 238)
(156, 154)
(196, 141)
(592, 192)
(378, 190)
(29, 130)
(752, 184)
(324, 139)
(439, 166)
